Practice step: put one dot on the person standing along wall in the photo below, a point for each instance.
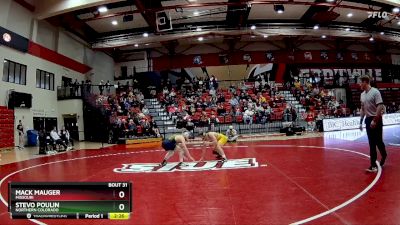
(21, 133)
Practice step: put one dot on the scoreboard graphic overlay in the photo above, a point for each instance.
(60, 200)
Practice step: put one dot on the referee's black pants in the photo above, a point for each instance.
(375, 140)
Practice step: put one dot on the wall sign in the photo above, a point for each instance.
(354, 122)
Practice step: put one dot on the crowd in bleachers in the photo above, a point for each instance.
(202, 103)
(393, 108)
(205, 104)
(128, 115)
(319, 103)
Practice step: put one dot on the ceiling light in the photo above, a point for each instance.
(145, 34)
(192, 0)
(147, 44)
(347, 29)
(330, 0)
(252, 36)
(279, 9)
(253, 27)
(198, 29)
(102, 9)
(323, 36)
(382, 33)
(114, 22)
(136, 45)
(398, 23)
(396, 10)
(265, 36)
(196, 13)
(371, 39)
(316, 27)
(350, 15)
(200, 39)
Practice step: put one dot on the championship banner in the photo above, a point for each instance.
(354, 122)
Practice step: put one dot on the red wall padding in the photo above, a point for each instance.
(6, 128)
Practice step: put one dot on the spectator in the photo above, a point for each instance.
(392, 108)
(319, 120)
(145, 110)
(297, 84)
(234, 102)
(220, 109)
(75, 92)
(238, 112)
(56, 138)
(221, 98)
(287, 114)
(165, 91)
(294, 113)
(88, 86)
(21, 133)
(248, 116)
(42, 141)
(213, 83)
(66, 137)
(232, 134)
(213, 120)
(322, 80)
(154, 128)
(310, 119)
(108, 87)
(101, 87)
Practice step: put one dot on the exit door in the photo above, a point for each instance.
(71, 124)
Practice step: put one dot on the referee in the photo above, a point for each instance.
(372, 108)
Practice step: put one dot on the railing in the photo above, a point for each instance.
(240, 128)
(79, 91)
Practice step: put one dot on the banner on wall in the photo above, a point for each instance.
(197, 60)
(354, 122)
(330, 72)
(308, 56)
(324, 55)
(270, 56)
(260, 71)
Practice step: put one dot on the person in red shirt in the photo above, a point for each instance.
(310, 119)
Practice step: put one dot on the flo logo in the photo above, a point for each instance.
(190, 166)
(380, 15)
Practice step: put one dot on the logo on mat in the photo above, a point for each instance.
(189, 166)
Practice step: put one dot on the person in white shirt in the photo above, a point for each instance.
(248, 116)
(145, 110)
(165, 91)
(140, 96)
(56, 138)
(234, 102)
(232, 134)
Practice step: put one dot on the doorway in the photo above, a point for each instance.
(48, 123)
(71, 124)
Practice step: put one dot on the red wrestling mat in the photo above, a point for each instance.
(279, 182)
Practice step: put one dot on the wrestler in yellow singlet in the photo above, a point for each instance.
(217, 140)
